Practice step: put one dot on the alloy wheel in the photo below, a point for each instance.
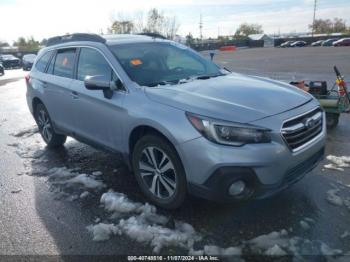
(44, 125)
(158, 172)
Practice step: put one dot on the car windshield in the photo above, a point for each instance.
(157, 63)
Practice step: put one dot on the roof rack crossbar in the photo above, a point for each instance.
(75, 37)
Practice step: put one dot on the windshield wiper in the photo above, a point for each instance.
(203, 77)
(182, 81)
(163, 83)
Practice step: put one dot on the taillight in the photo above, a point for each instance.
(27, 78)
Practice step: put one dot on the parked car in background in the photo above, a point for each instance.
(184, 125)
(329, 42)
(286, 44)
(298, 44)
(342, 42)
(317, 43)
(2, 70)
(28, 61)
(10, 61)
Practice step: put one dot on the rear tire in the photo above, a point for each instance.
(159, 172)
(43, 120)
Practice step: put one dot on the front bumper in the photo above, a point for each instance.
(217, 185)
(265, 168)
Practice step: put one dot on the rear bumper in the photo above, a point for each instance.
(27, 65)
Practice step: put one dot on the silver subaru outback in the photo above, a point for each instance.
(184, 125)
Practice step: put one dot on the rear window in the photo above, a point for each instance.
(42, 62)
(64, 63)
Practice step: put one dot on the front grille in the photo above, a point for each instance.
(302, 129)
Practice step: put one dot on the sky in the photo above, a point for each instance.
(47, 18)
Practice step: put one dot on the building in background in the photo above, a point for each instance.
(268, 41)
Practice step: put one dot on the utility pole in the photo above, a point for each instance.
(313, 22)
(200, 28)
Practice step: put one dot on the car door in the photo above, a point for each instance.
(58, 90)
(97, 118)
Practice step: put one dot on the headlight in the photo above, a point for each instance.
(228, 133)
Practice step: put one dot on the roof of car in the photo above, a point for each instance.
(129, 38)
(106, 39)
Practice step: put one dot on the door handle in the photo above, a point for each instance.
(44, 84)
(74, 95)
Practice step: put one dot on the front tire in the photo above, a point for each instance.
(43, 120)
(159, 172)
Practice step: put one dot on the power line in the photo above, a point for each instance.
(313, 21)
(200, 27)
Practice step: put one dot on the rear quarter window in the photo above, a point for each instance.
(42, 62)
(64, 63)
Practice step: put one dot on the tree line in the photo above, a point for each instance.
(327, 26)
(157, 22)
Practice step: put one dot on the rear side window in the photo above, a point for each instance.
(42, 62)
(64, 63)
(92, 63)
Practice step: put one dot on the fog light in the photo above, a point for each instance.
(236, 188)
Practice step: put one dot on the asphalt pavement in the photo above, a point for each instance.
(39, 217)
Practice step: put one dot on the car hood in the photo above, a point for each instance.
(10, 59)
(232, 97)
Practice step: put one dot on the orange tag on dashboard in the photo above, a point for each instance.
(136, 62)
(65, 61)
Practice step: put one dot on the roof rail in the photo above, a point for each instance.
(154, 35)
(75, 37)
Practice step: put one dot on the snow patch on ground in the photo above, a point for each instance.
(338, 162)
(86, 181)
(141, 222)
(71, 185)
(102, 231)
(26, 132)
(280, 244)
(84, 194)
(97, 173)
(345, 234)
(334, 198)
(275, 251)
(304, 225)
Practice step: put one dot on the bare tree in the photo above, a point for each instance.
(139, 23)
(246, 29)
(327, 26)
(155, 22)
(122, 27)
(171, 26)
(339, 25)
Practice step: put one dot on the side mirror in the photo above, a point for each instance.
(97, 83)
